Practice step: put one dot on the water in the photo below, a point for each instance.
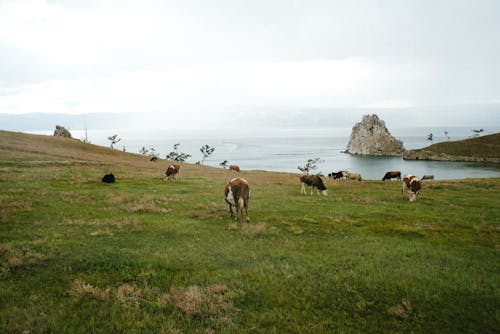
(285, 150)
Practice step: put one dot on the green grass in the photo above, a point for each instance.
(146, 256)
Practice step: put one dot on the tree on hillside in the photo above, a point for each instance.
(477, 132)
(223, 164)
(446, 134)
(114, 139)
(153, 153)
(207, 151)
(177, 156)
(310, 165)
(430, 137)
(143, 151)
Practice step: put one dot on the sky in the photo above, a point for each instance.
(428, 62)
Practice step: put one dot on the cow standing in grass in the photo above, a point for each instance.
(237, 194)
(234, 168)
(411, 184)
(173, 171)
(395, 174)
(354, 176)
(315, 182)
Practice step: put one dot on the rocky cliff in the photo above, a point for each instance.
(371, 137)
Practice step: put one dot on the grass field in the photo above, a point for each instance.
(146, 256)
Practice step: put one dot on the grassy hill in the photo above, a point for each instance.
(146, 256)
(482, 149)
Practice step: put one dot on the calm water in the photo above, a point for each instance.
(284, 150)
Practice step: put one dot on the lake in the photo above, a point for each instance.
(284, 149)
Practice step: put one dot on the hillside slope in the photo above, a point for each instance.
(147, 256)
(480, 149)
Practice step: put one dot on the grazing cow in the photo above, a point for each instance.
(108, 178)
(315, 182)
(338, 175)
(235, 168)
(153, 158)
(354, 176)
(237, 194)
(172, 171)
(428, 177)
(412, 185)
(395, 174)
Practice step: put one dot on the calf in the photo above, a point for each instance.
(108, 178)
(428, 177)
(235, 168)
(237, 194)
(412, 185)
(173, 171)
(315, 182)
(354, 176)
(392, 175)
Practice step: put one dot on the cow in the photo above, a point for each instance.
(412, 185)
(315, 182)
(235, 168)
(428, 177)
(108, 178)
(173, 171)
(395, 174)
(337, 175)
(237, 194)
(153, 158)
(354, 176)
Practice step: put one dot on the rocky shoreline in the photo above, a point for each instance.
(435, 156)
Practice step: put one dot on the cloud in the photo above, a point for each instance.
(120, 56)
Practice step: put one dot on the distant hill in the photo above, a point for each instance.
(479, 149)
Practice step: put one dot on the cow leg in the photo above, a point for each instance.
(303, 188)
(246, 210)
(230, 210)
(312, 190)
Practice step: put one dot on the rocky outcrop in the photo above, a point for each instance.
(371, 137)
(61, 131)
(440, 156)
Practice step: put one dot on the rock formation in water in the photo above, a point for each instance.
(371, 137)
(61, 131)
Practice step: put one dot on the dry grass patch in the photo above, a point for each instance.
(402, 310)
(11, 258)
(80, 289)
(193, 301)
(254, 229)
(101, 233)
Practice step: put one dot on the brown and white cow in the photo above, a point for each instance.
(354, 176)
(428, 177)
(395, 174)
(315, 182)
(411, 184)
(173, 171)
(235, 168)
(237, 194)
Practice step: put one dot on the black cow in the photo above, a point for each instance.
(108, 178)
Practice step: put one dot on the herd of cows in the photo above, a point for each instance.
(237, 191)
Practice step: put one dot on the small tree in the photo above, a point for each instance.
(143, 151)
(223, 164)
(153, 153)
(446, 134)
(114, 139)
(177, 156)
(430, 137)
(206, 151)
(310, 165)
(477, 132)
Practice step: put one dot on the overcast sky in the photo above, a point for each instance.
(137, 56)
